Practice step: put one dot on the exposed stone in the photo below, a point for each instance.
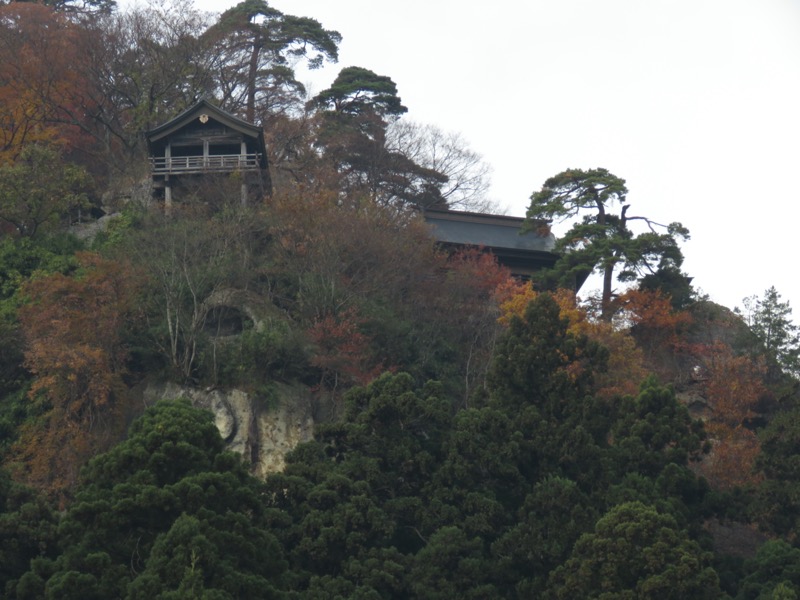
(88, 231)
(251, 305)
(694, 399)
(714, 324)
(281, 428)
(262, 430)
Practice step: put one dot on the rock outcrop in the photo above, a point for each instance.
(262, 430)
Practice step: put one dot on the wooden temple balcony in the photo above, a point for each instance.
(219, 163)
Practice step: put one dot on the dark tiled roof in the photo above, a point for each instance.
(158, 137)
(190, 114)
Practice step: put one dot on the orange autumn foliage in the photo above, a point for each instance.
(734, 385)
(39, 81)
(651, 314)
(732, 460)
(657, 328)
(74, 349)
(625, 363)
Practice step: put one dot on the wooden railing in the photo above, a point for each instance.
(201, 164)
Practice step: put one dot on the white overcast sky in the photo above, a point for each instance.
(696, 103)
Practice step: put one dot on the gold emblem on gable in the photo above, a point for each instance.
(204, 119)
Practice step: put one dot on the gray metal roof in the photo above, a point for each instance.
(491, 231)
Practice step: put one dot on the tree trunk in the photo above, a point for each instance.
(605, 302)
(252, 77)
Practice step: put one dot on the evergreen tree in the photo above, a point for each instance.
(28, 527)
(357, 496)
(773, 573)
(637, 553)
(602, 240)
(257, 49)
(778, 498)
(354, 114)
(164, 514)
(770, 320)
(403, 498)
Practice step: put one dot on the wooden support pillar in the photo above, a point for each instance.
(167, 195)
(242, 165)
(167, 184)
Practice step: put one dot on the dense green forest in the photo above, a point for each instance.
(476, 436)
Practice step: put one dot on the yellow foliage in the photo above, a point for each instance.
(513, 296)
(625, 363)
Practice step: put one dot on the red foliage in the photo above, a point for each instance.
(342, 352)
(479, 270)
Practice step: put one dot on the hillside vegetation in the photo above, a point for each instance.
(476, 436)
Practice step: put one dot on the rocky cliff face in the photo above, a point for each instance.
(261, 430)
